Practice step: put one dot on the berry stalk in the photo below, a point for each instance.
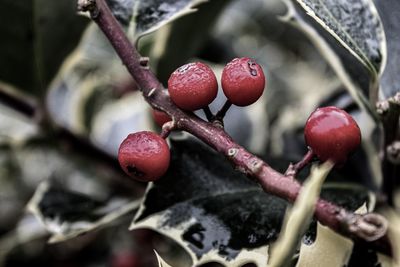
(338, 219)
(222, 112)
(294, 169)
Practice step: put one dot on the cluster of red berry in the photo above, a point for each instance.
(331, 133)
(194, 86)
(145, 155)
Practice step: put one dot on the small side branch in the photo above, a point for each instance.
(222, 112)
(167, 128)
(293, 169)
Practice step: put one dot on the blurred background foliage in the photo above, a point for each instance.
(66, 103)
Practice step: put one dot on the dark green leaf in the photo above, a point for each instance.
(150, 15)
(36, 36)
(354, 49)
(73, 193)
(216, 213)
(68, 214)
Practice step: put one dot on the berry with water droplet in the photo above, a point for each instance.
(332, 134)
(243, 81)
(193, 86)
(144, 156)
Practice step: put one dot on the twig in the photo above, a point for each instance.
(273, 182)
(167, 128)
(208, 113)
(222, 112)
(296, 168)
(389, 110)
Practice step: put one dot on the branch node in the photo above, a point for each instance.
(256, 166)
(293, 169)
(88, 6)
(290, 172)
(395, 99)
(393, 152)
(167, 128)
(218, 123)
(370, 226)
(382, 107)
(144, 63)
(232, 152)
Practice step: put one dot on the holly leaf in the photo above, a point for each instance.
(67, 214)
(350, 36)
(147, 16)
(215, 213)
(355, 25)
(73, 194)
(150, 15)
(389, 13)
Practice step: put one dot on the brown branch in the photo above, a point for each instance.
(340, 220)
(389, 111)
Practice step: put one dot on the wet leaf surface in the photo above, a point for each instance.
(355, 50)
(355, 24)
(210, 209)
(67, 214)
(150, 15)
(389, 11)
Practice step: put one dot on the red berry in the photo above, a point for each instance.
(332, 134)
(243, 81)
(144, 156)
(193, 86)
(160, 117)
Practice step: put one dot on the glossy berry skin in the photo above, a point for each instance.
(332, 134)
(144, 156)
(243, 81)
(193, 86)
(160, 117)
